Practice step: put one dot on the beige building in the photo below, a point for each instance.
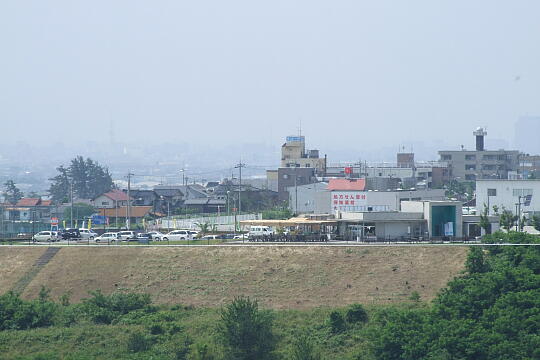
(294, 154)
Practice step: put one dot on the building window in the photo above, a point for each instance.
(489, 167)
(308, 165)
(105, 203)
(489, 157)
(285, 176)
(470, 167)
(470, 157)
(521, 192)
(446, 157)
(491, 192)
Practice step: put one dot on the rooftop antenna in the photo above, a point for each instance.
(300, 127)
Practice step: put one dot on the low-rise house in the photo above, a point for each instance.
(112, 199)
(29, 209)
(143, 197)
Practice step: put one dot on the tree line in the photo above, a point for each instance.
(86, 177)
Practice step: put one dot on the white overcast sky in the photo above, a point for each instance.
(356, 74)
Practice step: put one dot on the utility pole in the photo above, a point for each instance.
(128, 212)
(71, 193)
(183, 171)
(2, 237)
(519, 213)
(295, 192)
(239, 166)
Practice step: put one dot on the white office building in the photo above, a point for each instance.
(508, 194)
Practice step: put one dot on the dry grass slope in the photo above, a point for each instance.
(279, 277)
(15, 262)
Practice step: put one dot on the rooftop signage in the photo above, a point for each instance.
(295, 139)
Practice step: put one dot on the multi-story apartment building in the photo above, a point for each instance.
(470, 165)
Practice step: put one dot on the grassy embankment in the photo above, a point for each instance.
(279, 277)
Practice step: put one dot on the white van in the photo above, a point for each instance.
(256, 231)
(178, 235)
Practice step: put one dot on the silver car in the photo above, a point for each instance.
(45, 236)
(108, 236)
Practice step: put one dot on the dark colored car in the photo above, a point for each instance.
(144, 236)
(227, 236)
(71, 234)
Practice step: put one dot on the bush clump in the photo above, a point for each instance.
(18, 314)
(104, 309)
(356, 314)
(246, 331)
(337, 323)
(138, 342)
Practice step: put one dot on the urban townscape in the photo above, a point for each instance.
(459, 198)
(306, 180)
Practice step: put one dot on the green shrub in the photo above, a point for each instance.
(201, 352)
(138, 342)
(17, 314)
(337, 323)
(156, 329)
(356, 314)
(303, 348)
(415, 296)
(246, 331)
(104, 309)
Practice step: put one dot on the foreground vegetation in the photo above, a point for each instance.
(492, 311)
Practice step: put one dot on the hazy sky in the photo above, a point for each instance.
(356, 74)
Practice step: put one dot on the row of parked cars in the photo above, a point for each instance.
(87, 234)
(70, 233)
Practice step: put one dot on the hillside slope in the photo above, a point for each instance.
(279, 277)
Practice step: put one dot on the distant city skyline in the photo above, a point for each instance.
(359, 75)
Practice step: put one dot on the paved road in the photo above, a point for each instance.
(82, 243)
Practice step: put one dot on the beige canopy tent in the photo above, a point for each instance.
(292, 222)
(289, 222)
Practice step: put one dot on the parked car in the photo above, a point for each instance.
(146, 236)
(240, 236)
(127, 235)
(227, 236)
(155, 235)
(108, 236)
(211, 237)
(87, 234)
(46, 236)
(178, 235)
(71, 233)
